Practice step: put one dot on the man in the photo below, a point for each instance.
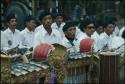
(87, 27)
(107, 41)
(28, 33)
(58, 22)
(47, 34)
(11, 34)
(116, 29)
(70, 41)
(12, 38)
(98, 29)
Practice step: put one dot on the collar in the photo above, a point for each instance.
(107, 36)
(9, 31)
(46, 33)
(27, 30)
(61, 25)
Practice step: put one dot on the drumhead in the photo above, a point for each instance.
(109, 53)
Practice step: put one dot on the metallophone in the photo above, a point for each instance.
(75, 67)
(13, 70)
(70, 67)
(78, 67)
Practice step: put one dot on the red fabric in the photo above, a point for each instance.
(86, 45)
(41, 51)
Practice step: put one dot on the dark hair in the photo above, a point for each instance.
(28, 18)
(98, 23)
(107, 22)
(43, 14)
(86, 22)
(10, 16)
(68, 25)
(58, 14)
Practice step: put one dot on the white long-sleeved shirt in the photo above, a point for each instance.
(27, 38)
(121, 31)
(39, 28)
(69, 46)
(54, 26)
(104, 40)
(11, 40)
(116, 31)
(96, 36)
(43, 37)
(110, 41)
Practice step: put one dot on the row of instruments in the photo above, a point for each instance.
(104, 67)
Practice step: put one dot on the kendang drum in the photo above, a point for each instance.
(86, 45)
(41, 51)
(108, 71)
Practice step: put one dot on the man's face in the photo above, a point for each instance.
(89, 30)
(47, 21)
(12, 23)
(109, 29)
(31, 25)
(70, 33)
(59, 20)
(100, 29)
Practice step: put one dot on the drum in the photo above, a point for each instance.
(108, 71)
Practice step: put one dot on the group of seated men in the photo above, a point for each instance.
(105, 33)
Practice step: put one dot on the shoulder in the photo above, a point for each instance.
(23, 31)
(6, 31)
(17, 31)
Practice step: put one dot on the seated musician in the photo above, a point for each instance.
(12, 38)
(58, 22)
(46, 34)
(28, 33)
(98, 29)
(88, 28)
(70, 41)
(107, 41)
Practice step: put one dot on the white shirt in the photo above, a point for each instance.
(117, 42)
(121, 31)
(3, 40)
(11, 39)
(96, 36)
(39, 28)
(27, 38)
(104, 40)
(69, 46)
(54, 26)
(44, 37)
(83, 35)
(116, 31)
